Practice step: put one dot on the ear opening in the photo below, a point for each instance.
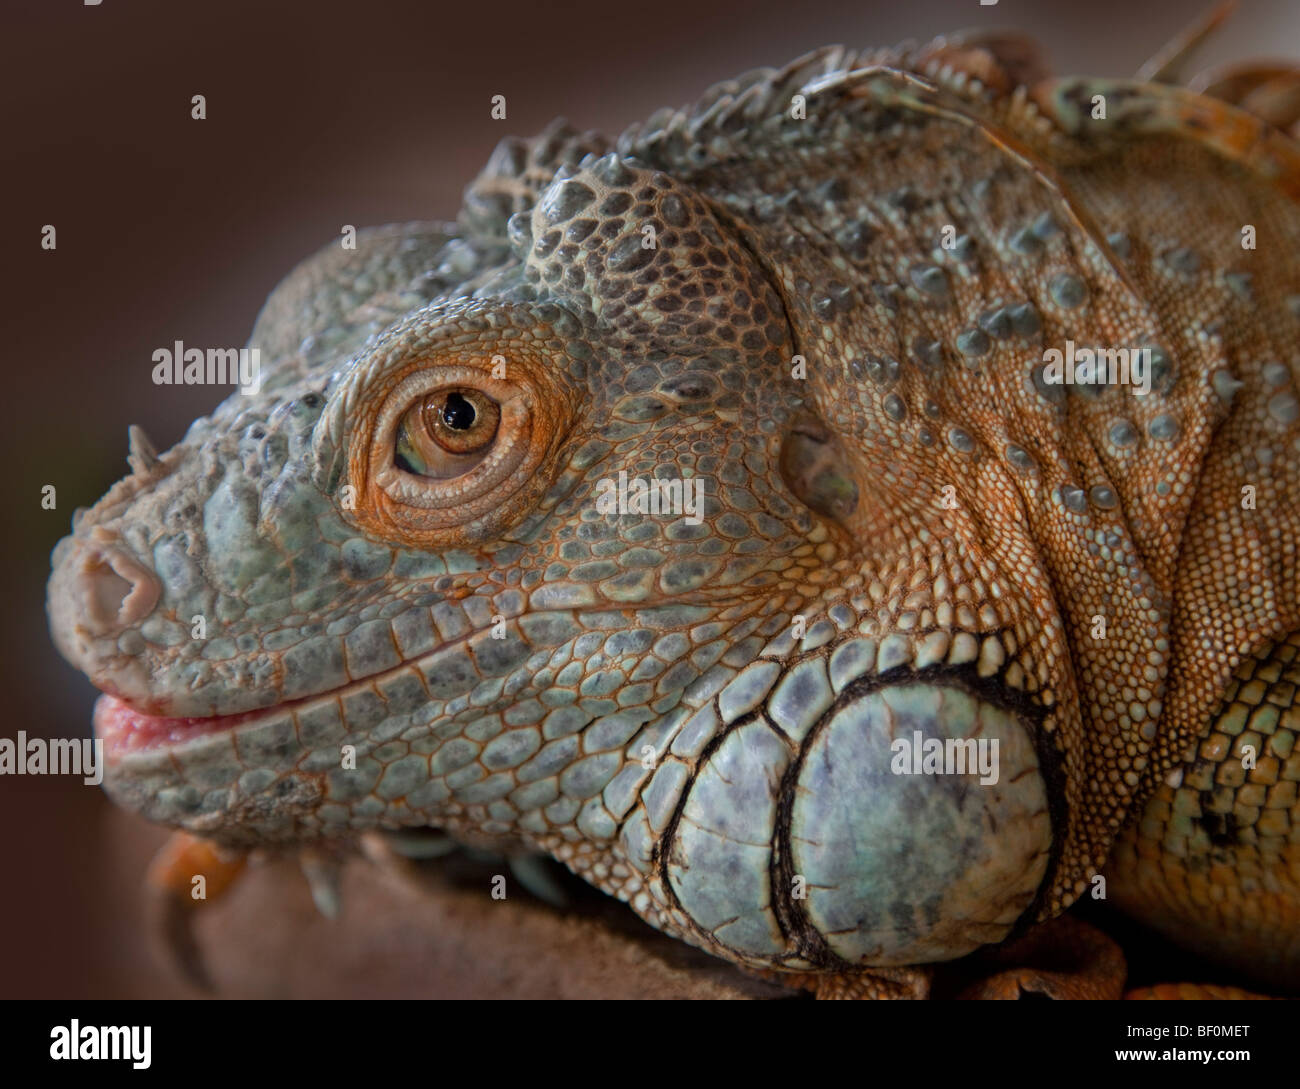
(815, 469)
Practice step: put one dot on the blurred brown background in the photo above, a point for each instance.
(319, 114)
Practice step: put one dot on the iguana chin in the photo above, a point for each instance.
(825, 295)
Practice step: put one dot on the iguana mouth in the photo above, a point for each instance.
(124, 729)
(127, 729)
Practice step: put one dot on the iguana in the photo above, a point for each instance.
(444, 569)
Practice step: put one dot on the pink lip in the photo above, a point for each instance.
(123, 729)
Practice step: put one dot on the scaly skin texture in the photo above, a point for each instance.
(824, 292)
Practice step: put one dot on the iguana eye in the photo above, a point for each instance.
(446, 433)
(435, 445)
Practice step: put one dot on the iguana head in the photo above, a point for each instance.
(411, 581)
(413, 543)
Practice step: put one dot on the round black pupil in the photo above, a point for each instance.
(458, 413)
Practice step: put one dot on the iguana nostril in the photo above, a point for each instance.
(116, 590)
